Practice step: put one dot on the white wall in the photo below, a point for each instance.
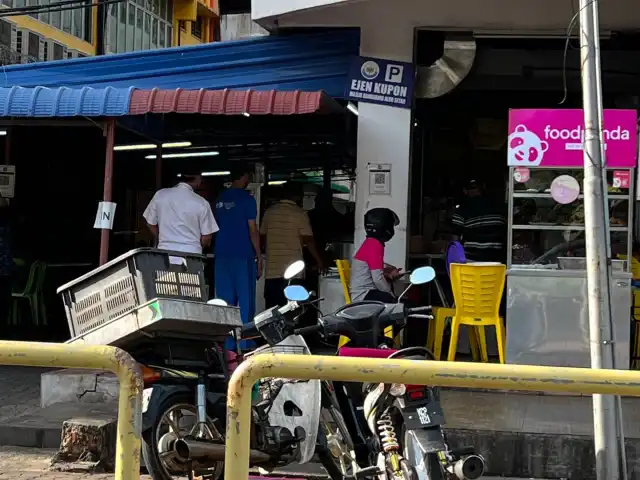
(483, 16)
(384, 135)
(239, 26)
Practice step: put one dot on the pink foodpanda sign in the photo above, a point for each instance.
(554, 138)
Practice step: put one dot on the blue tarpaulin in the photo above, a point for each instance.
(307, 62)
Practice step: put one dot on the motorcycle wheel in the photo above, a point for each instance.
(161, 462)
(424, 467)
(335, 444)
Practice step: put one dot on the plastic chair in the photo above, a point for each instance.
(32, 293)
(477, 291)
(344, 270)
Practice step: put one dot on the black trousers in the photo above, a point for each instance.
(274, 292)
(416, 329)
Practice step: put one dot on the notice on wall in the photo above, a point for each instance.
(385, 82)
(105, 215)
(621, 179)
(380, 179)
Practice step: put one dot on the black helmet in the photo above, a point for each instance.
(379, 223)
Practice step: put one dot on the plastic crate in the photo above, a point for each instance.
(129, 281)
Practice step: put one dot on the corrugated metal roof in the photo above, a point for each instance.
(64, 102)
(227, 102)
(308, 62)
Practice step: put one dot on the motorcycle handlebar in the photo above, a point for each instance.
(306, 330)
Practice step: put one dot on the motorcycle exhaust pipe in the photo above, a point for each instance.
(202, 450)
(469, 467)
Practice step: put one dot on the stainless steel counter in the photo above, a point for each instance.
(548, 322)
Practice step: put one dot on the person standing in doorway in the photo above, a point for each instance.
(285, 230)
(237, 248)
(179, 218)
(480, 224)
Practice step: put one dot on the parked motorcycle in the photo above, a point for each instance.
(184, 413)
(393, 432)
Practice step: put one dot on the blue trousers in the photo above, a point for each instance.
(235, 282)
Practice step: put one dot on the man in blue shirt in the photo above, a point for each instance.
(237, 250)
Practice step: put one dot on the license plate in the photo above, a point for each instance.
(146, 397)
(422, 415)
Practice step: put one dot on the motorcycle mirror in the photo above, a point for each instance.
(296, 293)
(422, 275)
(294, 269)
(218, 301)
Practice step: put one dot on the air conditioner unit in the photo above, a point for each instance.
(56, 51)
(72, 53)
(23, 38)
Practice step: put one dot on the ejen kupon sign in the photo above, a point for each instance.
(385, 82)
(555, 138)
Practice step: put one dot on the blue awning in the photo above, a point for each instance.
(307, 62)
(64, 102)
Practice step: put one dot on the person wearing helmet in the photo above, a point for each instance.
(369, 274)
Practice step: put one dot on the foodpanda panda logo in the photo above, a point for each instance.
(525, 148)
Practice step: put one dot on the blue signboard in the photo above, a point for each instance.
(385, 82)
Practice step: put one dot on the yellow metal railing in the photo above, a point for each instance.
(31, 354)
(445, 374)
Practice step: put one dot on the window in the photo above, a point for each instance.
(146, 35)
(66, 21)
(34, 46)
(32, 3)
(8, 3)
(20, 3)
(56, 20)
(122, 27)
(154, 33)
(196, 28)
(58, 51)
(131, 26)
(5, 33)
(139, 23)
(44, 16)
(77, 16)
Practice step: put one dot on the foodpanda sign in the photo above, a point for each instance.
(555, 138)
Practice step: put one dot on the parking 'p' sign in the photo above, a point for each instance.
(385, 82)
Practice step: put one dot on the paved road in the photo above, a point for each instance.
(32, 464)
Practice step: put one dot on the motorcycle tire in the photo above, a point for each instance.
(327, 460)
(150, 450)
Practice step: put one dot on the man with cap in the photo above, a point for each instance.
(237, 249)
(480, 224)
(179, 218)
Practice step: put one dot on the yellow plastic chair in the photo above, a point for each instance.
(435, 337)
(344, 270)
(477, 291)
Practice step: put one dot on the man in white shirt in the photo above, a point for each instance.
(180, 219)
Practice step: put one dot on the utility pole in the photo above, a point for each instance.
(605, 427)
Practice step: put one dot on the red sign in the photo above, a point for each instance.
(621, 179)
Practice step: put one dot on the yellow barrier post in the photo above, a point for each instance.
(32, 354)
(445, 374)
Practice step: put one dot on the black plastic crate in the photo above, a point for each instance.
(129, 281)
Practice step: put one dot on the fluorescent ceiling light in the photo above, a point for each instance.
(220, 173)
(3, 133)
(246, 114)
(352, 108)
(150, 146)
(277, 182)
(184, 155)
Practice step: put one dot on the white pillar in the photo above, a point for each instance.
(384, 136)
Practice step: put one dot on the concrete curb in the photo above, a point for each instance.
(31, 437)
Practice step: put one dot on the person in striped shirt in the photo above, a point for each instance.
(480, 224)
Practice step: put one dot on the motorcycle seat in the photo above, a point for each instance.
(365, 352)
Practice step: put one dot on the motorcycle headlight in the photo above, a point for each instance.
(398, 389)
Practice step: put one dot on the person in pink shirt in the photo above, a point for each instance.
(369, 274)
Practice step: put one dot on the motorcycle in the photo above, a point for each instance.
(393, 432)
(184, 412)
